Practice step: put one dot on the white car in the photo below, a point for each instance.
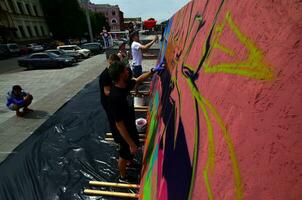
(35, 47)
(85, 53)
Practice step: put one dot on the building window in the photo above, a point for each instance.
(21, 31)
(42, 30)
(20, 7)
(29, 31)
(28, 9)
(113, 21)
(35, 10)
(36, 31)
(113, 12)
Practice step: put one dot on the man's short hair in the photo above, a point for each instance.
(116, 69)
(134, 33)
(17, 88)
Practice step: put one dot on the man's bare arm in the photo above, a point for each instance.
(147, 46)
(143, 77)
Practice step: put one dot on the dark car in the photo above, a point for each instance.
(62, 53)
(45, 60)
(4, 51)
(94, 47)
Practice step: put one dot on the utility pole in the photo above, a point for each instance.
(86, 3)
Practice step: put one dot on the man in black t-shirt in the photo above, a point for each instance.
(122, 110)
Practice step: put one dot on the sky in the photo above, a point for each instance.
(160, 10)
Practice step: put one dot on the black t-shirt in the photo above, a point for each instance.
(105, 80)
(122, 108)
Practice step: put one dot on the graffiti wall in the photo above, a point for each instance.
(225, 117)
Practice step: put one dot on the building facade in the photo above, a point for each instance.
(135, 22)
(114, 16)
(21, 21)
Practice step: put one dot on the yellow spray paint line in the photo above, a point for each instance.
(227, 138)
(177, 111)
(211, 146)
(253, 67)
(203, 103)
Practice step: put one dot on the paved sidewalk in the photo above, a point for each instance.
(51, 88)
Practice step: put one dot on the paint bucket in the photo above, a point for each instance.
(141, 125)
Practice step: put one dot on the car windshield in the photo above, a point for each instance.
(53, 55)
(77, 48)
(57, 52)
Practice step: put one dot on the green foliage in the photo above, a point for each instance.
(97, 20)
(66, 19)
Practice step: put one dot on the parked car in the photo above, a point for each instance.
(45, 60)
(13, 49)
(94, 47)
(4, 51)
(24, 50)
(62, 53)
(85, 53)
(35, 47)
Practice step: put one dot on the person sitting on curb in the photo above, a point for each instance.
(122, 110)
(137, 55)
(17, 99)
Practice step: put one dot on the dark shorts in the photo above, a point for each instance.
(137, 70)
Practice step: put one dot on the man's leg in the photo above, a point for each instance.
(122, 163)
(124, 158)
(27, 101)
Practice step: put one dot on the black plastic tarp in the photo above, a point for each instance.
(63, 154)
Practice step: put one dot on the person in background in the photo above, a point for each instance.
(137, 55)
(17, 99)
(105, 83)
(105, 35)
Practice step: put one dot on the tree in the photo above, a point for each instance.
(66, 19)
(98, 20)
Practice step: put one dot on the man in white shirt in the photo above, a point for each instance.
(137, 56)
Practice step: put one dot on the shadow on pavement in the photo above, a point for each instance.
(37, 114)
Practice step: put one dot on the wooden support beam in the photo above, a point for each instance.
(140, 135)
(140, 92)
(111, 184)
(109, 193)
(110, 139)
(140, 110)
(141, 107)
